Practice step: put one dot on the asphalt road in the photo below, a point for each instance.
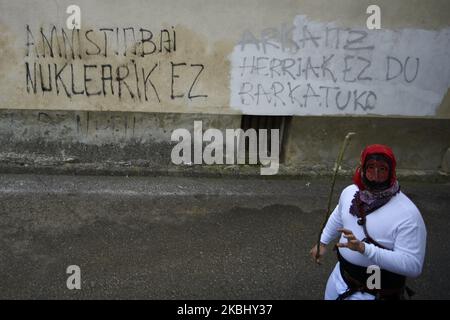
(184, 238)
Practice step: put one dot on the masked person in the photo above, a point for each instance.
(378, 226)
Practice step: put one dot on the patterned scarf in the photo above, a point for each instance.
(365, 201)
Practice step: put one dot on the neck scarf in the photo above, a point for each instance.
(365, 202)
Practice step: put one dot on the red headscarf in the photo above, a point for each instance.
(375, 149)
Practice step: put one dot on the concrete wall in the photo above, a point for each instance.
(419, 144)
(255, 57)
(114, 104)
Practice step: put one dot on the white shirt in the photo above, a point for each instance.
(397, 225)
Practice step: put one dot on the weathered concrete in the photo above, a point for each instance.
(198, 37)
(446, 161)
(183, 238)
(419, 144)
(140, 143)
(104, 124)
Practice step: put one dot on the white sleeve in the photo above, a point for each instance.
(334, 222)
(408, 253)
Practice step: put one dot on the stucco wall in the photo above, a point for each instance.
(188, 57)
(140, 143)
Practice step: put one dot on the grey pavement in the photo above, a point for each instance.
(185, 237)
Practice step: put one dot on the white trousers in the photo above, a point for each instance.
(336, 286)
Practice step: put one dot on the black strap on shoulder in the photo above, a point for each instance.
(362, 222)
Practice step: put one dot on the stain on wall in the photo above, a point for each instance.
(171, 56)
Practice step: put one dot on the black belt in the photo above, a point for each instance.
(392, 284)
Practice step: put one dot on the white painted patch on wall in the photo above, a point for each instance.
(316, 68)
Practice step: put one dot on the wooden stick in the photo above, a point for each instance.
(336, 170)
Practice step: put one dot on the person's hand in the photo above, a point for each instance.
(322, 251)
(352, 243)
